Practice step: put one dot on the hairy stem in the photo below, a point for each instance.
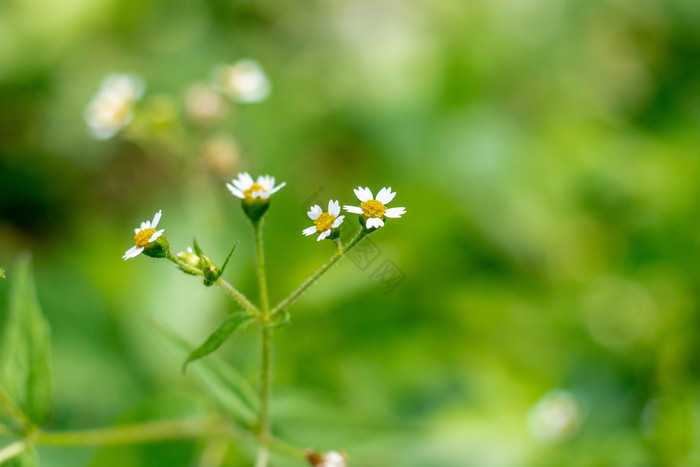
(340, 252)
(238, 297)
(264, 432)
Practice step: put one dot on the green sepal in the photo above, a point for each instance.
(256, 208)
(218, 337)
(158, 249)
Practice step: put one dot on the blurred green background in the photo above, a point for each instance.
(547, 152)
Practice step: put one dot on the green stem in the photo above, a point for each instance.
(238, 297)
(262, 278)
(266, 347)
(134, 434)
(13, 450)
(340, 252)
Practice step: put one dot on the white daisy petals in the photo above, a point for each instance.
(145, 236)
(385, 195)
(395, 213)
(244, 187)
(374, 222)
(363, 194)
(353, 209)
(324, 222)
(112, 107)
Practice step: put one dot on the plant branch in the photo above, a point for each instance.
(20, 419)
(340, 252)
(13, 450)
(238, 297)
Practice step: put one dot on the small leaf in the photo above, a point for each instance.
(25, 353)
(217, 338)
(223, 268)
(224, 385)
(280, 319)
(196, 247)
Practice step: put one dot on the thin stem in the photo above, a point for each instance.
(262, 278)
(134, 434)
(266, 345)
(238, 297)
(13, 450)
(265, 432)
(21, 420)
(340, 252)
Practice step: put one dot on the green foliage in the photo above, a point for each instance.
(218, 337)
(222, 383)
(25, 355)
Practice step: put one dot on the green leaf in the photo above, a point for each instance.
(217, 338)
(222, 383)
(25, 352)
(223, 267)
(196, 247)
(280, 318)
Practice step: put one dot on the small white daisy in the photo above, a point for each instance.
(324, 222)
(246, 188)
(334, 459)
(112, 107)
(244, 81)
(204, 105)
(374, 209)
(145, 235)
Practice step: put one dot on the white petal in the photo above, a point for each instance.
(278, 187)
(145, 225)
(155, 236)
(374, 222)
(353, 209)
(338, 220)
(156, 219)
(235, 191)
(244, 181)
(333, 208)
(363, 194)
(132, 252)
(309, 230)
(267, 182)
(189, 249)
(385, 195)
(323, 235)
(314, 212)
(262, 194)
(137, 231)
(395, 212)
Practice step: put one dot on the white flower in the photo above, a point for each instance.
(244, 81)
(204, 104)
(245, 188)
(374, 209)
(334, 459)
(145, 235)
(555, 417)
(112, 107)
(324, 222)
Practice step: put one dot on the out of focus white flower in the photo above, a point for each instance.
(220, 154)
(204, 105)
(555, 417)
(329, 459)
(112, 107)
(244, 81)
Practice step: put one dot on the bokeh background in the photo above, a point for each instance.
(546, 152)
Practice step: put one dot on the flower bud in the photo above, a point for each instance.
(210, 271)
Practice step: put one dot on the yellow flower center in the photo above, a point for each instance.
(254, 187)
(143, 236)
(324, 222)
(373, 208)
